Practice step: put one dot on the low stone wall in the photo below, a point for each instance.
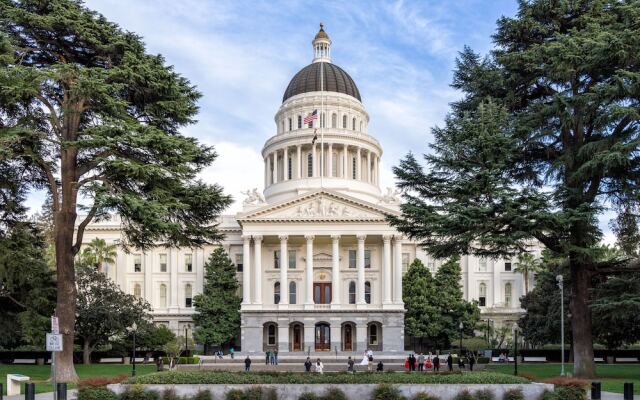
(355, 391)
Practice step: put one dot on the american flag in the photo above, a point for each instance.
(311, 117)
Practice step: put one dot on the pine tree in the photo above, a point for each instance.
(217, 317)
(84, 109)
(565, 74)
(418, 292)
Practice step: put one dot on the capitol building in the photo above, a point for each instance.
(319, 266)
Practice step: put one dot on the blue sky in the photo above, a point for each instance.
(242, 54)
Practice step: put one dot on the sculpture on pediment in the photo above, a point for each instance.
(392, 196)
(323, 208)
(253, 197)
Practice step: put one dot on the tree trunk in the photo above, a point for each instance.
(86, 352)
(584, 365)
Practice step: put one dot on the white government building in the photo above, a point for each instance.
(319, 266)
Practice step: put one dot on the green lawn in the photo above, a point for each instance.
(39, 374)
(611, 376)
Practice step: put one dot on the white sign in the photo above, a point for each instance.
(54, 342)
(55, 328)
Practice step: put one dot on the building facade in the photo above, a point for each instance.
(319, 266)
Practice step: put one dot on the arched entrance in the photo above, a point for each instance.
(374, 336)
(270, 336)
(297, 332)
(348, 336)
(323, 337)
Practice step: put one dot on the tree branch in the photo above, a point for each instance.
(617, 267)
(82, 226)
(53, 184)
(91, 164)
(52, 112)
(550, 243)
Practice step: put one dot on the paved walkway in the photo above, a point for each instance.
(71, 395)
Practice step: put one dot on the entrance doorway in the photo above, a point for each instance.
(322, 293)
(297, 338)
(323, 337)
(347, 340)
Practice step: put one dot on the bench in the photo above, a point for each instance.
(534, 359)
(24, 361)
(117, 360)
(599, 359)
(497, 359)
(13, 383)
(626, 359)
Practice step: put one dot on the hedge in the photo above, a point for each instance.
(182, 360)
(256, 378)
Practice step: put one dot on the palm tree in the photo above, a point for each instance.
(98, 252)
(527, 265)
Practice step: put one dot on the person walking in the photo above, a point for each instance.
(450, 362)
(421, 362)
(275, 356)
(369, 360)
(232, 352)
(307, 364)
(247, 364)
(267, 357)
(436, 364)
(472, 361)
(319, 366)
(350, 365)
(412, 363)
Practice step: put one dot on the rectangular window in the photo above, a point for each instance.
(367, 258)
(163, 263)
(353, 168)
(290, 124)
(483, 265)
(299, 122)
(352, 258)
(406, 260)
(188, 262)
(137, 263)
(276, 259)
(507, 266)
(289, 167)
(482, 301)
(431, 266)
(292, 259)
(309, 165)
(239, 263)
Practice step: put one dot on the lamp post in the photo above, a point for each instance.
(186, 342)
(515, 345)
(560, 280)
(461, 327)
(134, 329)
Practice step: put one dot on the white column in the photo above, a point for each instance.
(257, 276)
(284, 267)
(497, 287)
(345, 164)
(359, 164)
(375, 169)
(335, 271)
(397, 270)
(299, 162)
(275, 167)
(266, 172)
(386, 268)
(308, 280)
(246, 270)
(330, 160)
(285, 165)
(360, 264)
(173, 267)
(369, 167)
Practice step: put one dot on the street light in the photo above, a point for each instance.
(515, 345)
(134, 329)
(461, 327)
(560, 280)
(186, 343)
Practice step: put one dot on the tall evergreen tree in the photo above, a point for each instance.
(84, 109)
(418, 293)
(217, 317)
(566, 74)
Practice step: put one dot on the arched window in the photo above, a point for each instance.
(373, 335)
(482, 298)
(188, 296)
(334, 164)
(290, 124)
(163, 296)
(353, 124)
(137, 290)
(352, 292)
(507, 294)
(309, 165)
(292, 292)
(271, 334)
(334, 120)
(344, 122)
(276, 293)
(367, 292)
(299, 121)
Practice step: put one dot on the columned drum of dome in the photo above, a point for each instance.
(308, 80)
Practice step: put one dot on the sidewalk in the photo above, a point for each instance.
(615, 396)
(71, 395)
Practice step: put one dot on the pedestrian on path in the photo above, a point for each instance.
(267, 357)
(232, 352)
(436, 363)
(450, 362)
(319, 366)
(350, 364)
(421, 362)
(247, 364)
(275, 356)
(307, 364)
(472, 361)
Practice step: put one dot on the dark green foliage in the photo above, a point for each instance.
(170, 394)
(386, 392)
(309, 396)
(544, 139)
(203, 395)
(626, 229)
(96, 393)
(334, 393)
(548, 395)
(139, 393)
(425, 396)
(182, 360)
(513, 394)
(253, 393)
(570, 393)
(217, 317)
(259, 378)
(234, 394)
(484, 394)
(464, 395)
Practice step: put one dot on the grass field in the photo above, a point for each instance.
(611, 376)
(40, 373)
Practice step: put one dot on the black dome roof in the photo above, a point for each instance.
(308, 80)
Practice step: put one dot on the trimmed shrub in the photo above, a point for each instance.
(203, 395)
(170, 394)
(513, 394)
(548, 395)
(464, 395)
(96, 393)
(386, 392)
(182, 360)
(483, 360)
(570, 393)
(260, 393)
(234, 394)
(334, 394)
(425, 396)
(485, 394)
(308, 396)
(138, 393)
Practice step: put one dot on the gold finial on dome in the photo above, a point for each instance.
(321, 46)
(321, 33)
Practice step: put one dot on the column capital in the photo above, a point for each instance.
(335, 237)
(398, 238)
(309, 237)
(361, 237)
(257, 237)
(246, 237)
(283, 237)
(387, 238)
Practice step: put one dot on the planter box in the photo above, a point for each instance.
(531, 391)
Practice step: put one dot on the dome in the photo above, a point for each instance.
(308, 80)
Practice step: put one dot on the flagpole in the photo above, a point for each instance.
(322, 122)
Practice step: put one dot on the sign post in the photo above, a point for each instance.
(54, 344)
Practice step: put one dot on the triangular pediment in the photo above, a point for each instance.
(319, 205)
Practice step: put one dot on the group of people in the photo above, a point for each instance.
(319, 365)
(271, 357)
(427, 363)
